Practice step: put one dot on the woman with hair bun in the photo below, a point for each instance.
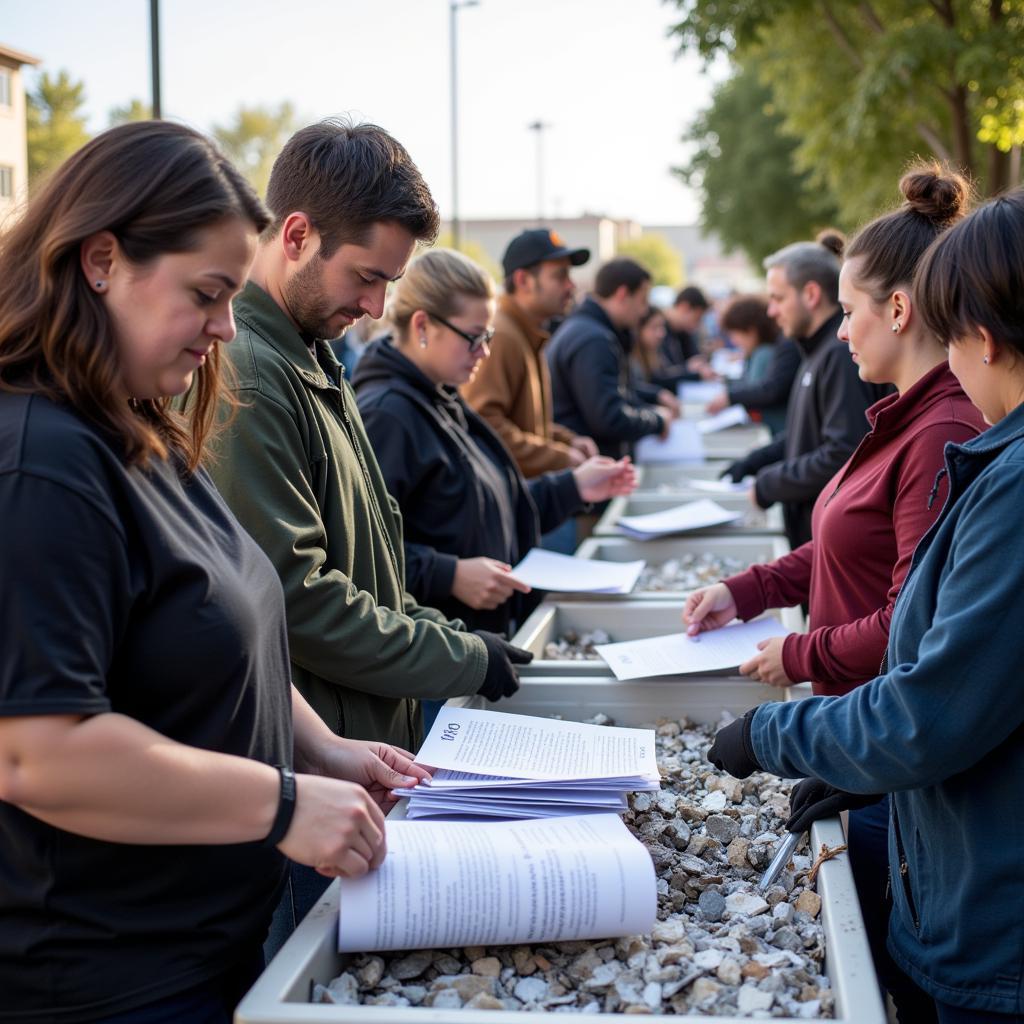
(870, 517)
(942, 728)
(148, 727)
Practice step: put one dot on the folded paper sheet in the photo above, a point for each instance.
(545, 570)
(683, 444)
(693, 515)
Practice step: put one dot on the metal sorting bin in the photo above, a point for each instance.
(735, 442)
(281, 994)
(748, 550)
(755, 521)
(652, 476)
(621, 620)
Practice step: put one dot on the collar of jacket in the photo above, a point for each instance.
(829, 329)
(894, 412)
(533, 334)
(384, 362)
(591, 309)
(255, 308)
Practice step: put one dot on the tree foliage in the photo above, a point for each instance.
(864, 86)
(133, 110)
(54, 122)
(658, 255)
(253, 139)
(754, 199)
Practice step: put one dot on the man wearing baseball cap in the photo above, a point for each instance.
(512, 389)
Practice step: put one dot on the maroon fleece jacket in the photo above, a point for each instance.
(866, 523)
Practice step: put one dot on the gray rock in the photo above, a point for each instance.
(751, 999)
(722, 827)
(445, 999)
(467, 985)
(712, 905)
(342, 991)
(786, 938)
(746, 903)
(414, 993)
(412, 966)
(531, 990)
(371, 972)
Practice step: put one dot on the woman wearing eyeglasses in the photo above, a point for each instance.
(469, 514)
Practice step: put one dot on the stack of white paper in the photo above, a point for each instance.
(734, 416)
(678, 654)
(694, 515)
(683, 444)
(545, 570)
(720, 486)
(447, 884)
(489, 764)
(699, 391)
(727, 363)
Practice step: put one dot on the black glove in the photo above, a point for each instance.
(736, 471)
(732, 751)
(812, 799)
(501, 679)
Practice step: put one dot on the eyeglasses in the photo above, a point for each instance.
(476, 341)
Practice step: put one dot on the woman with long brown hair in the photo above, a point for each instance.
(147, 797)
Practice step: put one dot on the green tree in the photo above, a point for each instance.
(133, 110)
(658, 255)
(253, 139)
(474, 250)
(753, 197)
(865, 87)
(54, 122)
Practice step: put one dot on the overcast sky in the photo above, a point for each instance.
(601, 72)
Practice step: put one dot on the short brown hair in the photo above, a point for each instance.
(973, 275)
(155, 186)
(890, 247)
(620, 273)
(750, 313)
(347, 177)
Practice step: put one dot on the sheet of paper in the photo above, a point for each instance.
(699, 391)
(728, 363)
(720, 486)
(447, 884)
(679, 654)
(683, 444)
(546, 570)
(693, 515)
(734, 416)
(525, 747)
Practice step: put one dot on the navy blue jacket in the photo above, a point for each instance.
(591, 389)
(426, 439)
(942, 731)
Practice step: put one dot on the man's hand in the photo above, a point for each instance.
(586, 446)
(667, 400)
(709, 608)
(377, 767)
(767, 666)
(716, 405)
(601, 478)
(485, 582)
(667, 416)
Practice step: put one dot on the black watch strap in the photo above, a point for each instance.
(285, 807)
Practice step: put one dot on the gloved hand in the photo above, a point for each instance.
(812, 799)
(501, 679)
(737, 470)
(732, 751)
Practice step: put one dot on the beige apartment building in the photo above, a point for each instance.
(13, 148)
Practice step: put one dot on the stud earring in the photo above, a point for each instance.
(895, 328)
(100, 285)
(423, 341)
(985, 360)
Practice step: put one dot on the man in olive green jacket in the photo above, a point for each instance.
(295, 464)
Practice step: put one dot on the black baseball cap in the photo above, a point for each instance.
(534, 246)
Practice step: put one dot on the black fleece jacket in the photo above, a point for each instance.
(429, 444)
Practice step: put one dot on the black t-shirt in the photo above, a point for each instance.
(137, 592)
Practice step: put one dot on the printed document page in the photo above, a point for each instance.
(545, 570)
(721, 486)
(734, 416)
(447, 884)
(683, 444)
(525, 747)
(714, 651)
(699, 391)
(693, 515)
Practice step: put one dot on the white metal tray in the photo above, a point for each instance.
(281, 994)
(621, 620)
(755, 521)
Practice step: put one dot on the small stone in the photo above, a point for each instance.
(737, 852)
(371, 972)
(751, 999)
(445, 963)
(755, 970)
(712, 905)
(722, 827)
(474, 952)
(746, 903)
(445, 999)
(482, 1001)
(488, 966)
(714, 801)
(583, 967)
(523, 960)
(414, 993)
(782, 913)
(786, 938)
(728, 972)
(542, 962)
(708, 959)
(467, 985)
(704, 990)
(531, 990)
(412, 966)
(343, 990)
(642, 802)
(603, 977)
(809, 902)
(669, 931)
(652, 994)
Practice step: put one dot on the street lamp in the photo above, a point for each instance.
(453, 8)
(539, 127)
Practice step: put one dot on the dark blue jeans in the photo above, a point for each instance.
(961, 1015)
(212, 1002)
(868, 839)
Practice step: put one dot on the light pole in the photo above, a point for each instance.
(154, 57)
(453, 9)
(539, 127)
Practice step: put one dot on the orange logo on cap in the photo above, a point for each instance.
(555, 238)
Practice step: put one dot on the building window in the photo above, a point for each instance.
(5, 87)
(6, 182)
